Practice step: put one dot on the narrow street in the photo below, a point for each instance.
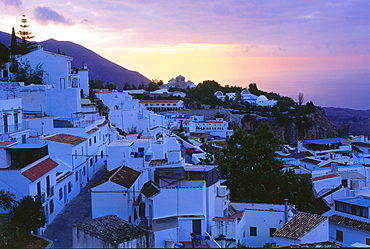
(78, 210)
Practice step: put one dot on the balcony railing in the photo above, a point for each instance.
(14, 127)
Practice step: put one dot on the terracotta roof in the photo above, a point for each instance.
(326, 165)
(123, 176)
(344, 221)
(324, 177)
(150, 189)
(158, 101)
(299, 155)
(300, 225)
(104, 123)
(40, 169)
(309, 160)
(92, 130)
(7, 143)
(223, 219)
(361, 144)
(112, 229)
(66, 138)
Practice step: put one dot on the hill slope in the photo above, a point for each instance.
(99, 67)
(358, 120)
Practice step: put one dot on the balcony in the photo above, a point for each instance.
(13, 128)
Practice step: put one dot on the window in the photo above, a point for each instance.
(75, 154)
(252, 231)
(272, 230)
(60, 193)
(76, 175)
(48, 192)
(16, 120)
(96, 158)
(94, 139)
(90, 142)
(84, 170)
(24, 139)
(101, 154)
(339, 235)
(367, 241)
(69, 187)
(91, 162)
(51, 206)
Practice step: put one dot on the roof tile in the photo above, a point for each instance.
(66, 138)
(40, 169)
(344, 221)
(300, 225)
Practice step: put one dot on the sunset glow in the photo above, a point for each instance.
(278, 44)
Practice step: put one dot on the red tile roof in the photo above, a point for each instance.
(123, 176)
(309, 160)
(40, 169)
(300, 225)
(344, 221)
(324, 177)
(66, 138)
(158, 101)
(7, 143)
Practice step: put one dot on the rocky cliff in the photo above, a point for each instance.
(294, 128)
(288, 128)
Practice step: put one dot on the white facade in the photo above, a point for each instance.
(218, 127)
(58, 70)
(12, 125)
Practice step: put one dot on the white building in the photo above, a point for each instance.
(162, 105)
(12, 125)
(217, 127)
(304, 228)
(58, 70)
(28, 170)
(250, 224)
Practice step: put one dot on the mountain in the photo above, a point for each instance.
(358, 120)
(99, 67)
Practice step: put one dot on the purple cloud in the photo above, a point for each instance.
(45, 15)
(87, 22)
(16, 3)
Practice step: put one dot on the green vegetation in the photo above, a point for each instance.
(254, 174)
(23, 72)
(25, 216)
(99, 84)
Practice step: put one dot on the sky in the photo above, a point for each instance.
(318, 48)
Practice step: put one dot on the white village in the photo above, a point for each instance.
(154, 189)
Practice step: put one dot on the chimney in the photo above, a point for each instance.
(285, 211)
(334, 167)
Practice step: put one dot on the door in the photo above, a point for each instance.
(197, 226)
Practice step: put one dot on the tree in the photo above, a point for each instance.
(13, 44)
(152, 86)
(127, 86)
(254, 174)
(23, 72)
(7, 199)
(300, 98)
(25, 46)
(4, 54)
(29, 214)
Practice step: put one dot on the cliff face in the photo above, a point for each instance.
(292, 129)
(288, 128)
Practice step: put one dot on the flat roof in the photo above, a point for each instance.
(325, 141)
(359, 201)
(27, 146)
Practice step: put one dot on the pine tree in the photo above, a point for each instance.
(25, 46)
(13, 44)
